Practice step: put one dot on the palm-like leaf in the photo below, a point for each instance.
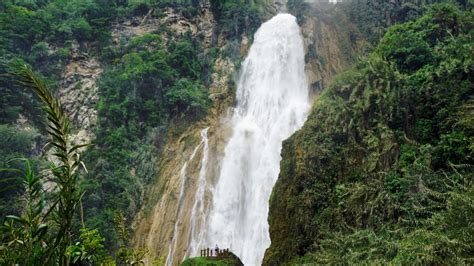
(65, 176)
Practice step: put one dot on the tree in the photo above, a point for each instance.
(187, 97)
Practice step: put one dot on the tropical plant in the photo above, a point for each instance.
(90, 249)
(63, 177)
(24, 236)
(126, 255)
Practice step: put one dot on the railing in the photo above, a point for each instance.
(215, 253)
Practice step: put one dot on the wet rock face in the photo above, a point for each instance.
(324, 48)
(330, 46)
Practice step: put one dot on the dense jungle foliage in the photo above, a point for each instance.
(236, 17)
(373, 17)
(382, 171)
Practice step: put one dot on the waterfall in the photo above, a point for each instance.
(272, 103)
(182, 180)
(198, 213)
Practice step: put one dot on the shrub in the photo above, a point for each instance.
(187, 97)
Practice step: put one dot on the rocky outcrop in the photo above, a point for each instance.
(78, 93)
(171, 19)
(78, 89)
(231, 260)
(328, 46)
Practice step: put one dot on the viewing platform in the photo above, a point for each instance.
(215, 253)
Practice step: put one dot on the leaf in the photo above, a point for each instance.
(7, 188)
(61, 156)
(84, 166)
(66, 183)
(9, 170)
(56, 123)
(16, 218)
(58, 146)
(56, 133)
(41, 231)
(78, 147)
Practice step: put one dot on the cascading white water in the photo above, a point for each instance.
(198, 213)
(182, 180)
(272, 103)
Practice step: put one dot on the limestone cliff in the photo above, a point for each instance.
(329, 44)
(78, 92)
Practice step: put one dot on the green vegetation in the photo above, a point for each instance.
(31, 30)
(374, 17)
(203, 261)
(24, 236)
(43, 231)
(298, 9)
(15, 144)
(126, 255)
(382, 170)
(236, 17)
(40, 34)
(89, 249)
(147, 84)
